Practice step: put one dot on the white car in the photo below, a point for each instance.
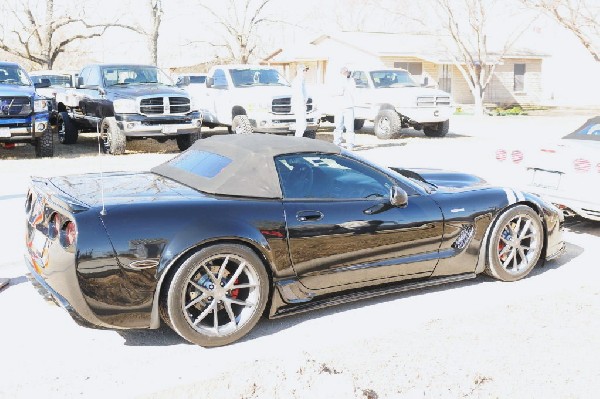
(566, 173)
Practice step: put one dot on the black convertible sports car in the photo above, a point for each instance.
(241, 225)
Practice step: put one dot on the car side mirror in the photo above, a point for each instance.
(45, 82)
(398, 197)
(79, 82)
(210, 82)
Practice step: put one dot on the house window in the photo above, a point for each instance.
(414, 68)
(519, 79)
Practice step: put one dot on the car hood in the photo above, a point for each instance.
(442, 179)
(118, 188)
(132, 91)
(16, 91)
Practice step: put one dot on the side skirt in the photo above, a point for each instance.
(371, 293)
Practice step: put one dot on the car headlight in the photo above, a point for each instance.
(125, 106)
(40, 105)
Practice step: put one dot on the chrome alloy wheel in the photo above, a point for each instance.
(519, 245)
(220, 295)
(384, 125)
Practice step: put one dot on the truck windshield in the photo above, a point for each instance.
(134, 74)
(13, 75)
(392, 78)
(257, 77)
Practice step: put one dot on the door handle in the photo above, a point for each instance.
(309, 216)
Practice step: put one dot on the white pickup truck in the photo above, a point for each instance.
(251, 98)
(393, 100)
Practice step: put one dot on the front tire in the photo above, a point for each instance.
(440, 130)
(185, 141)
(241, 125)
(66, 130)
(516, 244)
(387, 124)
(44, 146)
(113, 139)
(217, 295)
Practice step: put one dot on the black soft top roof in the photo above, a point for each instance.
(251, 171)
(590, 130)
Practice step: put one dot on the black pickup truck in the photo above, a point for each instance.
(125, 102)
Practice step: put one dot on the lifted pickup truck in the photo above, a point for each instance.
(23, 114)
(393, 100)
(251, 98)
(125, 102)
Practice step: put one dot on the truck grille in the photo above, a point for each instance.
(433, 101)
(164, 105)
(15, 106)
(283, 105)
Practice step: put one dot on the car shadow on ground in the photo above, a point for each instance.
(580, 225)
(164, 336)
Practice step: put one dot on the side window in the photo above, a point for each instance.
(85, 73)
(361, 79)
(94, 78)
(321, 176)
(220, 81)
(519, 79)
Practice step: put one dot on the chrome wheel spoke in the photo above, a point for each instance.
(526, 228)
(235, 275)
(196, 300)
(229, 311)
(198, 287)
(216, 320)
(241, 286)
(238, 302)
(510, 257)
(205, 312)
(210, 275)
(223, 268)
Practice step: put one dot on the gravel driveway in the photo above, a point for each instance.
(535, 338)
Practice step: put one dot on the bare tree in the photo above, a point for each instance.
(237, 26)
(156, 11)
(581, 17)
(39, 33)
(467, 26)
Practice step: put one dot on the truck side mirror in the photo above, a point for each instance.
(79, 82)
(210, 81)
(398, 197)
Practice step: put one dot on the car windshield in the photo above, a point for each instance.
(247, 77)
(134, 74)
(13, 75)
(392, 78)
(55, 80)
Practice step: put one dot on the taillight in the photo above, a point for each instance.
(582, 165)
(517, 156)
(68, 234)
(53, 226)
(501, 155)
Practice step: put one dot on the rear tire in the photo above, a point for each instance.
(217, 295)
(440, 130)
(44, 145)
(185, 141)
(387, 124)
(66, 130)
(113, 139)
(241, 125)
(516, 244)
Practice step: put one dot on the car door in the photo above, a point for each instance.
(342, 229)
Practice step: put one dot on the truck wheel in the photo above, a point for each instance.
(44, 146)
(185, 141)
(241, 125)
(440, 129)
(113, 139)
(387, 124)
(66, 129)
(358, 124)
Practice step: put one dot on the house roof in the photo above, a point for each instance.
(425, 46)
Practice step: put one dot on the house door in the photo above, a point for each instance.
(445, 79)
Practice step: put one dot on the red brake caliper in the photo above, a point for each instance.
(234, 293)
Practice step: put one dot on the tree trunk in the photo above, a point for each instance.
(478, 101)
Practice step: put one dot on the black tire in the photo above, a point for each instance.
(241, 125)
(387, 124)
(65, 129)
(113, 139)
(201, 284)
(44, 145)
(516, 244)
(358, 124)
(185, 141)
(311, 134)
(440, 130)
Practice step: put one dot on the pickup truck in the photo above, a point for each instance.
(24, 114)
(392, 99)
(251, 98)
(125, 102)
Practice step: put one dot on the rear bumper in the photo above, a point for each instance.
(587, 209)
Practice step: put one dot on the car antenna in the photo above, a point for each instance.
(103, 211)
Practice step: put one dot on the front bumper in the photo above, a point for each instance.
(284, 124)
(19, 130)
(424, 115)
(135, 125)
